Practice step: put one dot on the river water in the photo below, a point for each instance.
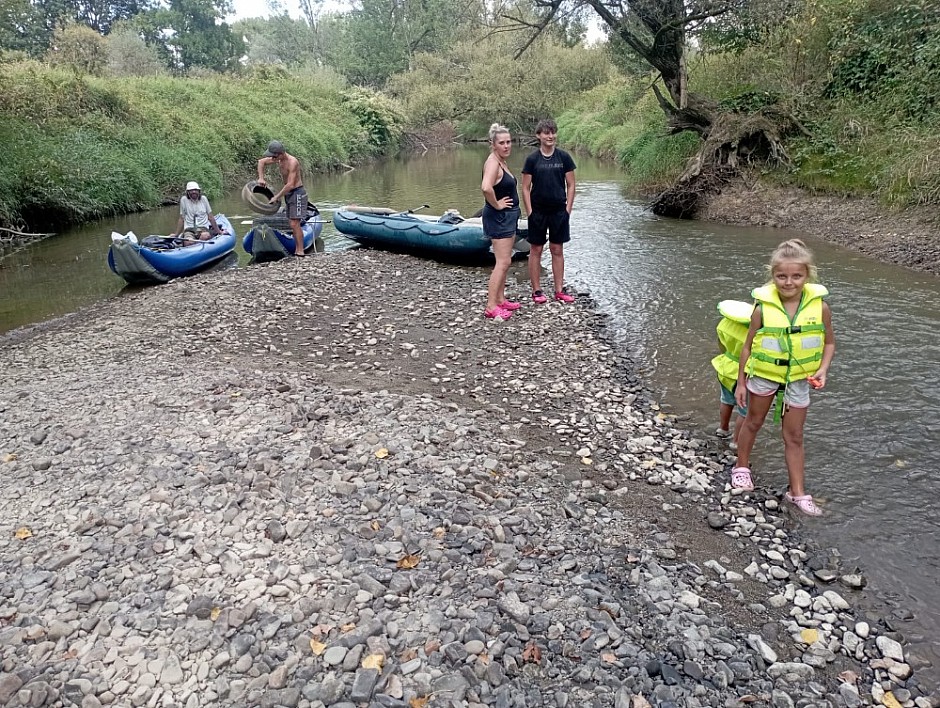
(871, 435)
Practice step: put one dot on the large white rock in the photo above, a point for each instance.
(890, 648)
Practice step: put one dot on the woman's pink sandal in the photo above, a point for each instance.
(497, 313)
(509, 305)
(804, 503)
(741, 479)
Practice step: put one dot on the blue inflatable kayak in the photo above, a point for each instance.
(266, 243)
(159, 259)
(449, 235)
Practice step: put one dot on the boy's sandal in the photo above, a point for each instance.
(804, 503)
(741, 479)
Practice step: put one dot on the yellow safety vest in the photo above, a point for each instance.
(786, 349)
(732, 331)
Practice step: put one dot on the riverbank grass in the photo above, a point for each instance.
(80, 147)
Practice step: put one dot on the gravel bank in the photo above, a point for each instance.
(329, 482)
(909, 238)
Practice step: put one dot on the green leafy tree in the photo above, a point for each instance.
(477, 82)
(280, 39)
(21, 28)
(101, 15)
(129, 55)
(192, 34)
(750, 24)
(380, 38)
(362, 47)
(29, 25)
(78, 48)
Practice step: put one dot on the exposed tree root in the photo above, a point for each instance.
(735, 141)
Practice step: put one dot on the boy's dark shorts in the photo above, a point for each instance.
(296, 201)
(553, 223)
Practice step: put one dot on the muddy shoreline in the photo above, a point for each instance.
(909, 238)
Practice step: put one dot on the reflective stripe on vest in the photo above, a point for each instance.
(786, 349)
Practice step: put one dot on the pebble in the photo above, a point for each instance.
(388, 476)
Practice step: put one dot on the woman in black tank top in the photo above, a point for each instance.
(500, 219)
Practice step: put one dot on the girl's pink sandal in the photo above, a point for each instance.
(804, 503)
(741, 479)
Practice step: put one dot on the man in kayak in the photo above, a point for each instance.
(295, 196)
(196, 222)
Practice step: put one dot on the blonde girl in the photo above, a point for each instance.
(500, 220)
(789, 348)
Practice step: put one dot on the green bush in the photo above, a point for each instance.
(622, 120)
(476, 83)
(129, 55)
(79, 48)
(381, 122)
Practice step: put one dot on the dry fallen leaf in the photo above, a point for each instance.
(889, 701)
(639, 702)
(438, 532)
(9, 457)
(375, 525)
(23, 533)
(585, 633)
(408, 562)
(609, 657)
(236, 394)
(381, 453)
(849, 677)
(419, 702)
(749, 698)
(317, 647)
(431, 646)
(348, 627)
(407, 655)
(483, 659)
(810, 636)
(214, 613)
(373, 661)
(532, 653)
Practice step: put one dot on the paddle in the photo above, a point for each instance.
(412, 211)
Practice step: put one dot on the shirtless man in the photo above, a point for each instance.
(295, 196)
